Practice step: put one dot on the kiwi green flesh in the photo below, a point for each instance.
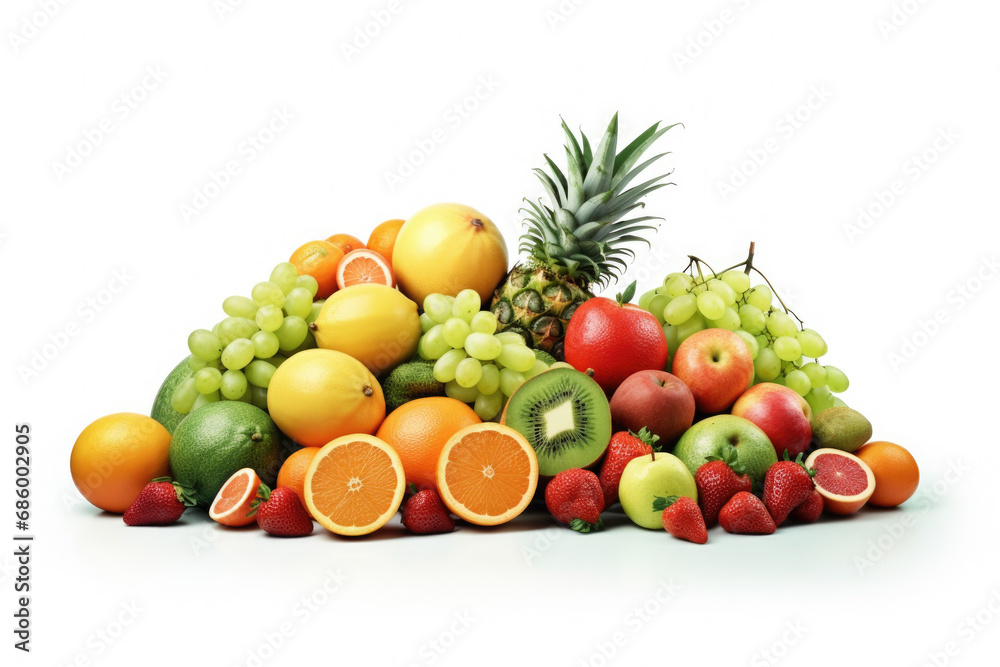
(565, 416)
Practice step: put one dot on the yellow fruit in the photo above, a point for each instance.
(116, 456)
(319, 395)
(375, 324)
(446, 248)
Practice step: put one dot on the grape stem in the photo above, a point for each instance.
(748, 266)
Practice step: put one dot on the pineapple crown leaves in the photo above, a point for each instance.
(581, 232)
(185, 494)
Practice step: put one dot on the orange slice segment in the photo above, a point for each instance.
(232, 503)
(354, 485)
(364, 266)
(487, 474)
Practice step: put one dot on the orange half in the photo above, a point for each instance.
(354, 485)
(487, 474)
(364, 266)
(232, 503)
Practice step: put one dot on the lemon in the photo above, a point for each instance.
(377, 325)
(319, 395)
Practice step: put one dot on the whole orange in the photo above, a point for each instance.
(418, 431)
(383, 238)
(116, 456)
(319, 259)
(293, 471)
(345, 242)
(896, 472)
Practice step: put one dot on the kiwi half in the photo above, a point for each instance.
(565, 416)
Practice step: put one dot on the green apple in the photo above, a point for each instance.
(647, 477)
(708, 437)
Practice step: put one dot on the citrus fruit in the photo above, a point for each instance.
(318, 395)
(895, 469)
(293, 471)
(375, 324)
(116, 456)
(233, 502)
(220, 438)
(845, 481)
(163, 411)
(383, 238)
(418, 431)
(364, 266)
(319, 259)
(487, 474)
(446, 248)
(345, 242)
(354, 485)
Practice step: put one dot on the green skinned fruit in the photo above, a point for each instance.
(841, 428)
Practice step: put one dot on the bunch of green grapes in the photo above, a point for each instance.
(234, 361)
(780, 347)
(477, 365)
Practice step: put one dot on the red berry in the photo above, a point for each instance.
(624, 447)
(280, 512)
(682, 518)
(574, 497)
(424, 513)
(745, 514)
(786, 486)
(809, 511)
(160, 502)
(718, 481)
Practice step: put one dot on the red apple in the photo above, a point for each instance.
(780, 413)
(656, 400)
(716, 365)
(615, 339)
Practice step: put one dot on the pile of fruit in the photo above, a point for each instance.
(421, 367)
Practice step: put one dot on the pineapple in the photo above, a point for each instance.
(577, 240)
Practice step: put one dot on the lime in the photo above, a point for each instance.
(220, 438)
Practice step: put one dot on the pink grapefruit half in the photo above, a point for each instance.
(235, 499)
(845, 481)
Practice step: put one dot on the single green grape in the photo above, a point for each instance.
(510, 380)
(737, 280)
(518, 358)
(184, 396)
(265, 344)
(816, 374)
(310, 283)
(812, 343)
(455, 331)
(483, 346)
(539, 368)
(729, 320)
(314, 313)
(459, 393)
(205, 399)
(207, 380)
(488, 406)
(466, 305)
(237, 354)
(204, 344)
(670, 331)
(469, 372)
(490, 381)
(836, 379)
(268, 294)
(285, 275)
(484, 322)
(780, 324)
(259, 373)
(680, 309)
(509, 338)
(447, 365)
(787, 348)
(727, 293)
(751, 342)
(798, 382)
(819, 399)
(292, 333)
(426, 323)
(234, 385)
(658, 305)
(690, 327)
(258, 397)
(438, 307)
(298, 302)
(752, 319)
(760, 297)
(432, 344)
(269, 318)
(645, 298)
(195, 364)
(234, 328)
(240, 306)
(767, 365)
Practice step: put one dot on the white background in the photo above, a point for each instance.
(528, 591)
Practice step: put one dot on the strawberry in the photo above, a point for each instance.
(718, 481)
(160, 502)
(809, 511)
(280, 512)
(574, 497)
(787, 485)
(424, 513)
(745, 514)
(624, 446)
(682, 518)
